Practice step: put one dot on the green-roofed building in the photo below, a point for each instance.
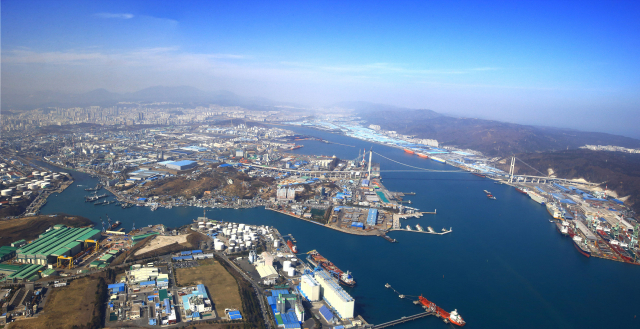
(138, 238)
(26, 272)
(8, 269)
(18, 243)
(48, 272)
(62, 241)
(7, 253)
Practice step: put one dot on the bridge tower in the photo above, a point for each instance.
(513, 162)
(370, 155)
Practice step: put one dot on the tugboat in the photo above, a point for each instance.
(491, 197)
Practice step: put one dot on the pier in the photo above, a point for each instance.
(402, 320)
(417, 231)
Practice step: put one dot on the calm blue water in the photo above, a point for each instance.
(504, 265)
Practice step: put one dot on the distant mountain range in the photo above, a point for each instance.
(103, 97)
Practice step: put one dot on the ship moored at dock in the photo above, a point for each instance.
(344, 278)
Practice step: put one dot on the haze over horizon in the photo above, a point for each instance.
(567, 64)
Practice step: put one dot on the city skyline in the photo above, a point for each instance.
(563, 65)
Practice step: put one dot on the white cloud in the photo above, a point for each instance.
(115, 15)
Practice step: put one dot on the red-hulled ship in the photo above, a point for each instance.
(621, 252)
(409, 151)
(422, 155)
(479, 175)
(344, 278)
(293, 247)
(521, 190)
(295, 147)
(452, 317)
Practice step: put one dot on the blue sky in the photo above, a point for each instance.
(557, 63)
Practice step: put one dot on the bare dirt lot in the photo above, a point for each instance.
(67, 307)
(222, 286)
(162, 241)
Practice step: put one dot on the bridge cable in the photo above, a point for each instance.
(419, 168)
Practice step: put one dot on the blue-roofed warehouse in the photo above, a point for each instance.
(181, 165)
(372, 217)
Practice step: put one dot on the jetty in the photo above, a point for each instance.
(427, 232)
(402, 320)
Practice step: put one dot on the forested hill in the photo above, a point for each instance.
(493, 138)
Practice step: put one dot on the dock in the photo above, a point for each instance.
(402, 320)
(416, 231)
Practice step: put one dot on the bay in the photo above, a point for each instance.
(503, 266)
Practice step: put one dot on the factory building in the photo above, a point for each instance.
(180, 165)
(310, 288)
(60, 241)
(196, 303)
(7, 253)
(338, 299)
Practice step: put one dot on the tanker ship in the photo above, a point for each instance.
(452, 317)
(293, 247)
(344, 278)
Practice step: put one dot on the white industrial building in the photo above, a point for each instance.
(338, 299)
(310, 287)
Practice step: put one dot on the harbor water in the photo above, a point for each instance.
(503, 266)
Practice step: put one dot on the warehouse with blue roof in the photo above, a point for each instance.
(181, 165)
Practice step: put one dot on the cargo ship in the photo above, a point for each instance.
(485, 191)
(452, 317)
(295, 147)
(480, 175)
(436, 159)
(581, 246)
(409, 151)
(523, 191)
(422, 155)
(536, 197)
(116, 224)
(293, 247)
(562, 228)
(344, 278)
(553, 211)
(614, 245)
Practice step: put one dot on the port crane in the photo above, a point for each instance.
(61, 260)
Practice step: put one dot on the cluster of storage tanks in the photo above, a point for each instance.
(240, 237)
(22, 185)
(289, 266)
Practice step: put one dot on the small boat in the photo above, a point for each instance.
(491, 196)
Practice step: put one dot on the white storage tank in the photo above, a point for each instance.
(219, 245)
(291, 271)
(294, 261)
(276, 243)
(286, 265)
(6, 192)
